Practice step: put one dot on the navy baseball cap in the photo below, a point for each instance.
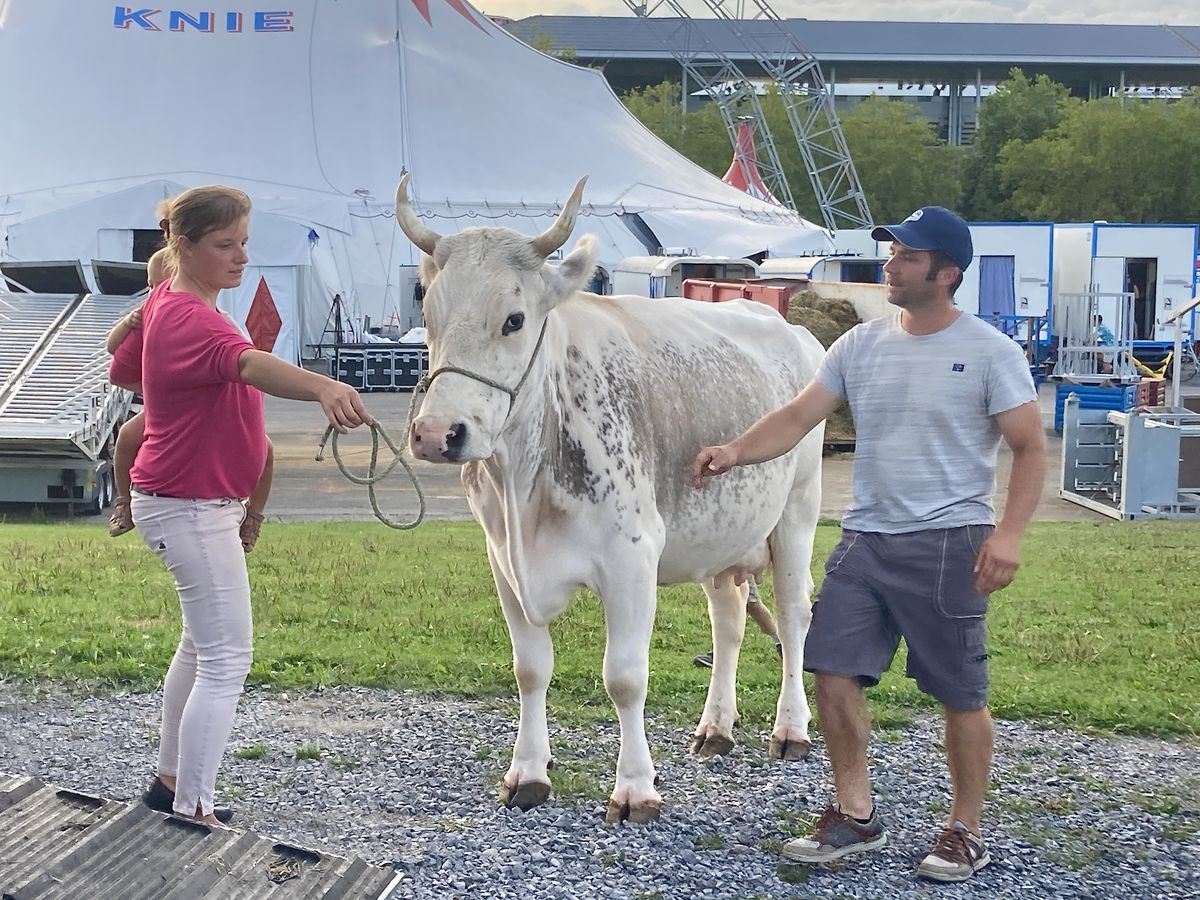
(932, 228)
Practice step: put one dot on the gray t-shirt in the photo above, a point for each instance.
(923, 408)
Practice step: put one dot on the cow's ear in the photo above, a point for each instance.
(429, 270)
(576, 269)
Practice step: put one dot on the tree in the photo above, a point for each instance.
(1021, 109)
(1135, 162)
(543, 42)
(699, 135)
(900, 161)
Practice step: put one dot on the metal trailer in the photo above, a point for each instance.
(58, 413)
(1130, 465)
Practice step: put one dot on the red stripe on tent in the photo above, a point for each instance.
(263, 321)
(423, 8)
(743, 171)
(465, 11)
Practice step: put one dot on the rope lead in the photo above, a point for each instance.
(373, 476)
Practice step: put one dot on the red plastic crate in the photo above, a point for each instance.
(774, 296)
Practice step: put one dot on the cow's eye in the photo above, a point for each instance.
(513, 323)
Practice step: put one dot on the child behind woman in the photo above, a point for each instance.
(133, 433)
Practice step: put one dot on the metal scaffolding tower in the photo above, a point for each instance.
(736, 96)
(806, 97)
(810, 109)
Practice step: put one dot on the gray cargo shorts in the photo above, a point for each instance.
(920, 586)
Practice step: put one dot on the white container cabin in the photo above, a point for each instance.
(663, 276)
(865, 269)
(1155, 263)
(1009, 280)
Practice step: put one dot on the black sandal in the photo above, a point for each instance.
(161, 798)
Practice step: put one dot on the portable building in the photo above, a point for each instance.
(866, 269)
(1010, 276)
(663, 276)
(1156, 264)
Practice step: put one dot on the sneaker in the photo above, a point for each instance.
(704, 660)
(956, 855)
(836, 835)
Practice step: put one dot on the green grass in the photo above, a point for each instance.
(308, 751)
(1098, 632)
(252, 751)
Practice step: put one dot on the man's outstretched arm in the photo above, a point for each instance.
(773, 435)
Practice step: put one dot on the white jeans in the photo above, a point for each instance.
(198, 541)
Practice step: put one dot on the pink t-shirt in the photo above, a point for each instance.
(205, 435)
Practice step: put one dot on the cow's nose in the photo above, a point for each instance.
(437, 439)
(456, 439)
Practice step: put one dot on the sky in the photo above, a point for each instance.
(1110, 12)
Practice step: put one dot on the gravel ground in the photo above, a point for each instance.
(408, 781)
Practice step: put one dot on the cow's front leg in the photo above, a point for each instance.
(727, 611)
(629, 602)
(526, 784)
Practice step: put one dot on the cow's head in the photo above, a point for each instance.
(488, 293)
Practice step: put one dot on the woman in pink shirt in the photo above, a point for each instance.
(204, 450)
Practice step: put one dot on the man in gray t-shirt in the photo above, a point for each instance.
(932, 392)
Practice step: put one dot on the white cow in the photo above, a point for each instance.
(576, 418)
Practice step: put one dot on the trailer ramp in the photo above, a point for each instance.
(54, 393)
(64, 845)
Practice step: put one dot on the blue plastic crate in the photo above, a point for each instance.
(1119, 397)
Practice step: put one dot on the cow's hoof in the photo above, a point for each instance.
(789, 751)
(649, 811)
(712, 744)
(525, 795)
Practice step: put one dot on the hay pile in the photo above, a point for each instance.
(828, 320)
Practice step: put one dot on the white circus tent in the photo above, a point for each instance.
(315, 113)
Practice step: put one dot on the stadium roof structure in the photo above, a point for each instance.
(1087, 58)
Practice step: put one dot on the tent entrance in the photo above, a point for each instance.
(145, 243)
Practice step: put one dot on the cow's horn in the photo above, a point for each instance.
(556, 235)
(417, 232)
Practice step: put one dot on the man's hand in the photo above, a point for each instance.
(712, 461)
(343, 406)
(997, 563)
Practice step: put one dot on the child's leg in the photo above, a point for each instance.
(257, 502)
(129, 440)
(258, 498)
(762, 618)
(757, 610)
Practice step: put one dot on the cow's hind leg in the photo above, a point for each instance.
(727, 611)
(791, 558)
(629, 601)
(526, 784)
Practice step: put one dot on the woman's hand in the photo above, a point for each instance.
(343, 406)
